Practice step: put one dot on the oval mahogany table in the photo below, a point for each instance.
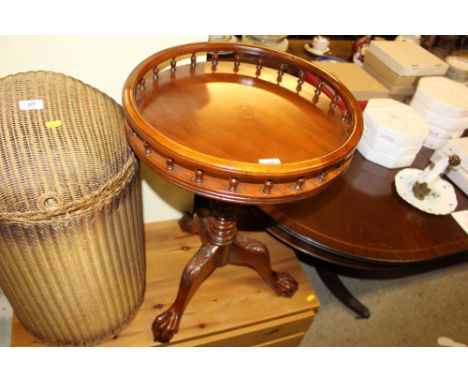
(361, 223)
(241, 130)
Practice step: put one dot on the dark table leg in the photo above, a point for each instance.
(339, 290)
(221, 245)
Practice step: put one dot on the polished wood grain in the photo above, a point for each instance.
(247, 115)
(219, 314)
(214, 121)
(362, 219)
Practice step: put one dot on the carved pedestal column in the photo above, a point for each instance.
(221, 244)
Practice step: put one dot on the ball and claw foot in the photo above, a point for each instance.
(285, 285)
(165, 326)
(253, 253)
(194, 223)
(185, 223)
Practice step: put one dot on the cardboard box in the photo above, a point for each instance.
(408, 59)
(372, 63)
(393, 89)
(361, 84)
(400, 98)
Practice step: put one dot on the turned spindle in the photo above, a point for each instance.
(280, 74)
(345, 116)
(214, 61)
(259, 67)
(193, 60)
(170, 164)
(155, 73)
(148, 149)
(332, 107)
(236, 63)
(317, 92)
(199, 176)
(268, 185)
(299, 185)
(322, 176)
(173, 64)
(300, 81)
(141, 84)
(233, 183)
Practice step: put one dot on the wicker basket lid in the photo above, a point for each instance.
(61, 142)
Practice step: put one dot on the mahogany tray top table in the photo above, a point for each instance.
(362, 224)
(236, 132)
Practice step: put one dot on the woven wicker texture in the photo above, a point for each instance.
(71, 161)
(71, 230)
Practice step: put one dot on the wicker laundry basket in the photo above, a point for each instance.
(72, 258)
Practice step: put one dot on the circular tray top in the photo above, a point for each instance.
(245, 129)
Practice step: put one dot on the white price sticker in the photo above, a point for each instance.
(269, 161)
(31, 104)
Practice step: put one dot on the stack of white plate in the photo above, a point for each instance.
(459, 174)
(443, 103)
(393, 133)
(458, 68)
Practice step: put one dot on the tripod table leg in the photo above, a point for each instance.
(196, 271)
(252, 253)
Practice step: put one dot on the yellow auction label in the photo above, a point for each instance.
(311, 297)
(53, 124)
